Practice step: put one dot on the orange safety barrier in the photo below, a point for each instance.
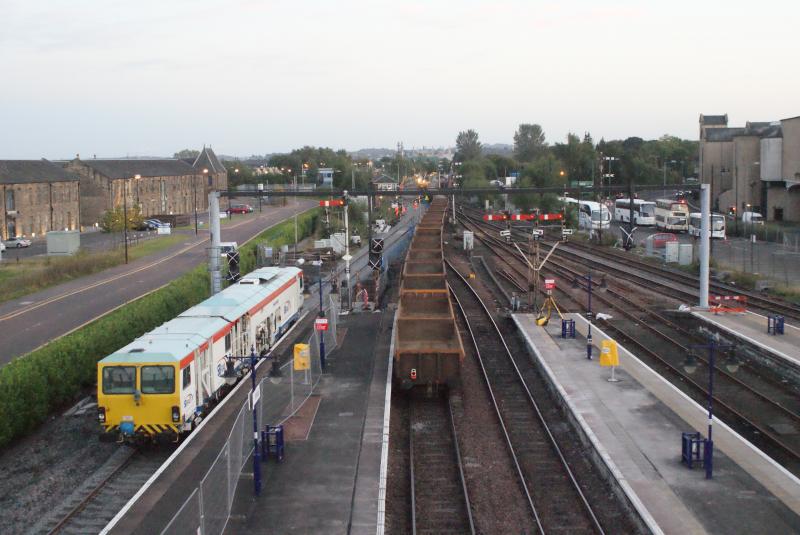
(728, 303)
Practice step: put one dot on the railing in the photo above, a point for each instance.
(208, 507)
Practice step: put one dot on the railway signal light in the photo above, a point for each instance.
(413, 374)
(332, 203)
(495, 217)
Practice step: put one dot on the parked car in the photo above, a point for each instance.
(153, 224)
(660, 239)
(240, 209)
(18, 242)
(2, 247)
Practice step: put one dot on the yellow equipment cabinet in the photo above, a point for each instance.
(302, 357)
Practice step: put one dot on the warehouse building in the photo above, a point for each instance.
(37, 196)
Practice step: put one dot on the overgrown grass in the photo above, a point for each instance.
(36, 384)
(37, 273)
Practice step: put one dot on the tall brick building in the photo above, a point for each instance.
(157, 186)
(757, 165)
(37, 196)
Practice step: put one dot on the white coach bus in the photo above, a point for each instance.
(644, 212)
(717, 225)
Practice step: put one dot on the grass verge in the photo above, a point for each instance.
(36, 384)
(37, 273)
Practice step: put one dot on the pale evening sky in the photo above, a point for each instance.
(253, 76)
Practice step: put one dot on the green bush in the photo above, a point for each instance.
(36, 384)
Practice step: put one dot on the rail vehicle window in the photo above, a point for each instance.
(228, 342)
(119, 379)
(187, 376)
(158, 379)
(286, 307)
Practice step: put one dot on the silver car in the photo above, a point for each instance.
(18, 242)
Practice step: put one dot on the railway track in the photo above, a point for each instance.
(106, 496)
(439, 498)
(764, 411)
(556, 499)
(667, 282)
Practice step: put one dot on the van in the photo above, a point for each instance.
(753, 218)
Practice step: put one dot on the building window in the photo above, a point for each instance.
(10, 200)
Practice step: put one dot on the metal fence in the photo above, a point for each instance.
(206, 510)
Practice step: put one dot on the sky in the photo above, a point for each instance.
(114, 78)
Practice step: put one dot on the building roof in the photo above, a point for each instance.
(723, 134)
(33, 171)
(384, 179)
(763, 129)
(127, 168)
(208, 160)
(714, 120)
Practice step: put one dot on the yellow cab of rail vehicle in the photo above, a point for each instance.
(162, 383)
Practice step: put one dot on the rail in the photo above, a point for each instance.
(548, 481)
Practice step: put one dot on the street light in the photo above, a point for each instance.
(125, 212)
(665, 174)
(321, 315)
(231, 375)
(205, 181)
(690, 366)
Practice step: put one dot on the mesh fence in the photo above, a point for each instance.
(207, 509)
(189, 517)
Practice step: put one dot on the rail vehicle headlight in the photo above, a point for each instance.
(176, 414)
(101, 414)
(413, 374)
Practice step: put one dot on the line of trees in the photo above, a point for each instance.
(541, 164)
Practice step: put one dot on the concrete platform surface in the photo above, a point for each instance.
(328, 483)
(641, 437)
(753, 328)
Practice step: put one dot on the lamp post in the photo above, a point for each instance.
(321, 315)
(588, 279)
(665, 174)
(609, 175)
(125, 212)
(255, 395)
(690, 365)
(205, 181)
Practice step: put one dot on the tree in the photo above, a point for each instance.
(112, 220)
(186, 153)
(467, 146)
(529, 142)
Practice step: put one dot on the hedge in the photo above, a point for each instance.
(38, 383)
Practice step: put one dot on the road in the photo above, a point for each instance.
(96, 241)
(33, 320)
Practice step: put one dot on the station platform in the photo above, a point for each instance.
(752, 328)
(638, 438)
(328, 481)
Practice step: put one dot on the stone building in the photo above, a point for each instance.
(214, 173)
(755, 167)
(37, 196)
(157, 186)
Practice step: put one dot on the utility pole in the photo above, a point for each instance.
(214, 227)
(347, 256)
(705, 242)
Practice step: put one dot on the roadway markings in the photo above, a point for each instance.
(56, 298)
